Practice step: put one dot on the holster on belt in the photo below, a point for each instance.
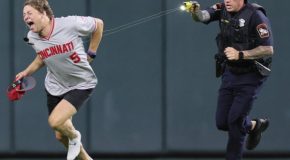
(219, 65)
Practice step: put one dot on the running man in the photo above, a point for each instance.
(70, 79)
(245, 50)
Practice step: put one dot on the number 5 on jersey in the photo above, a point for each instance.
(75, 57)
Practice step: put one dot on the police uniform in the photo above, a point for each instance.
(241, 79)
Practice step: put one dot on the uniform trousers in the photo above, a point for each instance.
(235, 100)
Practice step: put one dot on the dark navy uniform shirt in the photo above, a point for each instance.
(259, 28)
(259, 25)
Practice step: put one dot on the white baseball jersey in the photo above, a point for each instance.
(64, 55)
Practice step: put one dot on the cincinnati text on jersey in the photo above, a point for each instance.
(57, 49)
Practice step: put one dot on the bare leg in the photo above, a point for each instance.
(62, 139)
(60, 121)
(60, 115)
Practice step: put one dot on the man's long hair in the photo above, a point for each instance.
(40, 5)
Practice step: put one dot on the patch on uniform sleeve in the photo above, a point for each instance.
(263, 30)
(217, 6)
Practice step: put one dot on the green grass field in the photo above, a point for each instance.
(150, 159)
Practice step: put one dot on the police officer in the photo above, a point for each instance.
(245, 47)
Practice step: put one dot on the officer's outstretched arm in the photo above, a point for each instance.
(197, 14)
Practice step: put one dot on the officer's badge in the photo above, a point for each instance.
(241, 22)
(263, 30)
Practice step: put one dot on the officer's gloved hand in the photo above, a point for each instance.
(195, 7)
(190, 6)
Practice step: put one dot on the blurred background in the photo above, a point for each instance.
(157, 90)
